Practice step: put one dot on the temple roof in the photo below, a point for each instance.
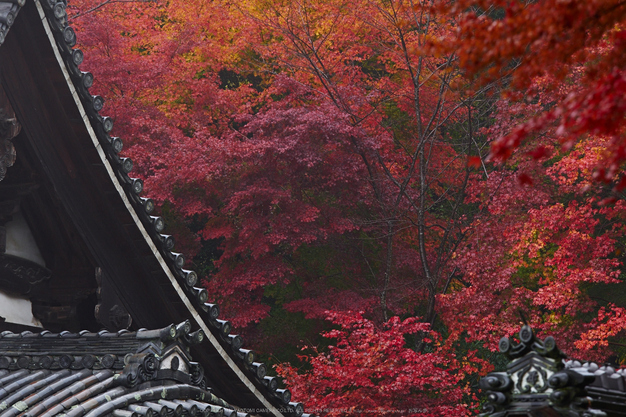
(123, 374)
(98, 235)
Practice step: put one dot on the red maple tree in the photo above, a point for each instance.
(551, 238)
(298, 131)
(370, 370)
(549, 40)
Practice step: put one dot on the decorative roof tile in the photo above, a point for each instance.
(539, 382)
(125, 374)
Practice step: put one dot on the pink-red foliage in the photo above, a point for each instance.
(370, 370)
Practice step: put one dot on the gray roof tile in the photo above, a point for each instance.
(142, 386)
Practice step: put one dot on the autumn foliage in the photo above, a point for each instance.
(546, 45)
(450, 166)
(371, 370)
(555, 226)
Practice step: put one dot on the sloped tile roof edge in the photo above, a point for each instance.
(139, 372)
(62, 39)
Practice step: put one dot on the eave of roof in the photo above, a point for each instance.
(173, 280)
(124, 374)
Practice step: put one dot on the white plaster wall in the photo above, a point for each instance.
(17, 310)
(20, 240)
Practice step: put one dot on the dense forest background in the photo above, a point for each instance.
(377, 190)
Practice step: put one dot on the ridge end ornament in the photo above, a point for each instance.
(536, 381)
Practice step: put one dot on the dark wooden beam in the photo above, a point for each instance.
(59, 145)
